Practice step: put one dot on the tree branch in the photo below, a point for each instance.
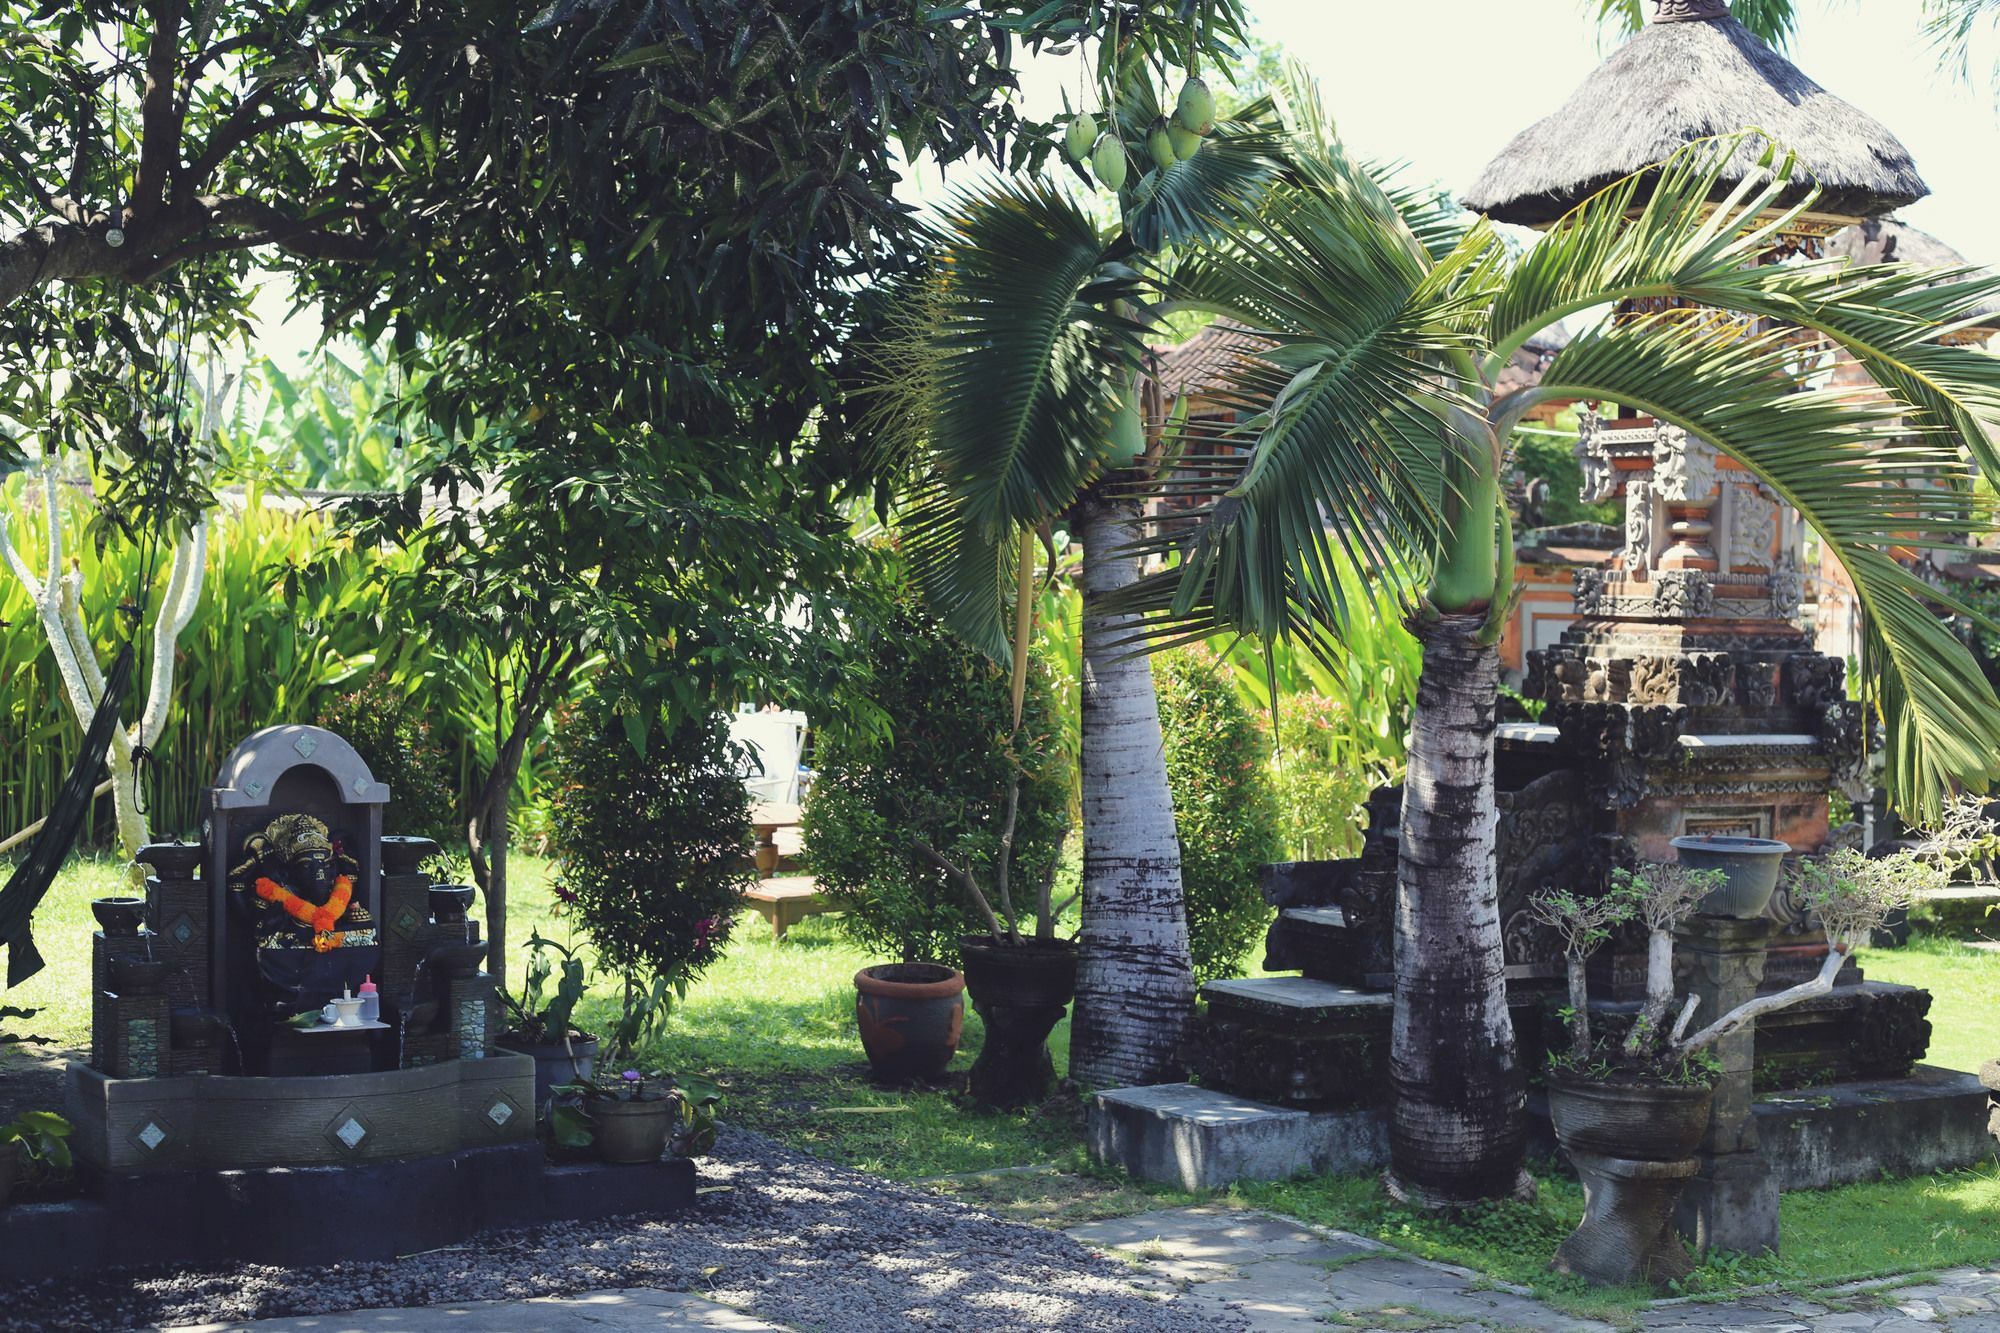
(963, 876)
(160, 111)
(1750, 1010)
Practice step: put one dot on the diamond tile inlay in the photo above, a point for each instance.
(305, 745)
(254, 788)
(152, 1135)
(182, 930)
(499, 1113)
(351, 1132)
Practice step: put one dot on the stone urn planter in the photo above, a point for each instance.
(1633, 1147)
(910, 1016)
(403, 854)
(553, 1063)
(119, 918)
(1020, 992)
(631, 1132)
(172, 860)
(1752, 865)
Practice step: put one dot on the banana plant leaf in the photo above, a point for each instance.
(31, 880)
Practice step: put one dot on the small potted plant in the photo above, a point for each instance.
(1630, 1112)
(41, 1136)
(540, 1020)
(634, 1116)
(925, 842)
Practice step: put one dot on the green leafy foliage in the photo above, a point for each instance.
(940, 777)
(540, 1014)
(1224, 808)
(43, 1136)
(388, 728)
(652, 824)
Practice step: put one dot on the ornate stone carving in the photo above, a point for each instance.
(1788, 585)
(1753, 527)
(1842, 731)
(1588, 585)
(1656, 730)
(1600, 479)
(1683, 465)
(1679, 594)
(1689, 11)
(1756, 686)
(1813, 681)
(1638, 553)
(1655, 680)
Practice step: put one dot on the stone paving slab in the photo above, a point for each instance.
(594, 1312)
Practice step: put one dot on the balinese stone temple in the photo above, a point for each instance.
(1683, 699)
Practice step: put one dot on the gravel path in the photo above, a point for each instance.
(796, 1241)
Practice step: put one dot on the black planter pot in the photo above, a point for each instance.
(172, 860)
(119, 918)
(404, 854)
(910, 1016)
(135, 976)
(1633, 1147)
(1751, 864)
(1020, 992)
(450, 904)
(552, 1063)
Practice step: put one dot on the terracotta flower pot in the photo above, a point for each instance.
(631, 1132)
(1020, 992)
(1752, 865)
(1632, 1146)
(910, 1016)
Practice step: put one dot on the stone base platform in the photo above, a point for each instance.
(130, 1125)
(311, 1216)
(1199, 1138)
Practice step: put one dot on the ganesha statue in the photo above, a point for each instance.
(296, 887)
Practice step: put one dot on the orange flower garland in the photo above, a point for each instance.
(320, 916)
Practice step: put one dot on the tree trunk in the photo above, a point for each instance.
(1456, 1132)
(1134, 980)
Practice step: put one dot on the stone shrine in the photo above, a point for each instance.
(239, 1105)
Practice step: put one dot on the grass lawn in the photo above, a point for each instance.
(774, 1025)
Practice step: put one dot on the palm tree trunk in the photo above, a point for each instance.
(1456, 1130)
(1134, 980)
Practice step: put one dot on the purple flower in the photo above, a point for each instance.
(631, 1076)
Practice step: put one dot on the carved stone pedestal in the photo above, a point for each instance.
(1732, 1201)
(1627, 1233)
(1014, 1068)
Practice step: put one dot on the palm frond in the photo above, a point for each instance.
(1199, 197)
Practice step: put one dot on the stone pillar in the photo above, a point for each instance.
(1732, 1202)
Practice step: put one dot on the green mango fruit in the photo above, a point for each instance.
(1160, 145)
(1196, 106)
(1082, 134)
(1108, 164)
(1185, 141)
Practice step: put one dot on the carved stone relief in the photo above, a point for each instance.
(1681, 593)
(1588, 585)
(1683, 466)
(1638, 553)
(1753, 527)
(1600, 479)
(1788, 585)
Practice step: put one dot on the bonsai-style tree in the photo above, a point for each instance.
(1375, 424)
(1848, 893)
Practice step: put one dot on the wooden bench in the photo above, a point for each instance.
(785, 902)
(767, 817)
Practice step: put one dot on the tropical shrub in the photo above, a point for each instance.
(1322, 776)
(1224, 808)
(938, 781)
(400, 746)
(652, 832)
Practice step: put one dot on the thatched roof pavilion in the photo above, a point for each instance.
(1692, 73)
(1887, 241)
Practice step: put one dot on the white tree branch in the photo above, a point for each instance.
(1751, 1010)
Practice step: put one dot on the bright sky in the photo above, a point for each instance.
(1444, 84)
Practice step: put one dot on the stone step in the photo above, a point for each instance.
(1197, 1138)
(1303, 1001)
(1962, 909)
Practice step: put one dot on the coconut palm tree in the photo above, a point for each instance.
(1006, 397)
(1373, 424)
